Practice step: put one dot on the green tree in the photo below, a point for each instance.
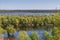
(47, 36)
(10, 30)
(2, 31)
(34, 36)
(23, 36)
(56, 33)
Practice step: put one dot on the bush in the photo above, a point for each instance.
(34, 36)
(23, 36)
(47, 36)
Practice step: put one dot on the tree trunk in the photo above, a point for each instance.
(10, 37)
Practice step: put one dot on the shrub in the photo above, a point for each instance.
(47, 36)
(34, 36)
(23, 36)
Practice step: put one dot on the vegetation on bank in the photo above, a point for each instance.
(33, 36)
(27, 22)
(12, 23)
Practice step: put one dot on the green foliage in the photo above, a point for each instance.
(45, 33)
(23, 36)
(26, 22)
(10, 29)
(56, 33)
(34, 36)
(29, 22)
(47, 36)
(2, 31)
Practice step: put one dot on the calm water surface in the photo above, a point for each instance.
(25, 13)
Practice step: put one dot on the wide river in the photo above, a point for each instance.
(26, 13)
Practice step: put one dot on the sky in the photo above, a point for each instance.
(29, 4)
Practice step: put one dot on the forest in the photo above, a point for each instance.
(12, 23)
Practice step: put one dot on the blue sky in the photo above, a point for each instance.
(29, 4)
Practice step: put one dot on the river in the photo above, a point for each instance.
(26, 13)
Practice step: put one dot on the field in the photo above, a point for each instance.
(49, 24)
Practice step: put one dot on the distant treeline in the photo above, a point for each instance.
(36, 11)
